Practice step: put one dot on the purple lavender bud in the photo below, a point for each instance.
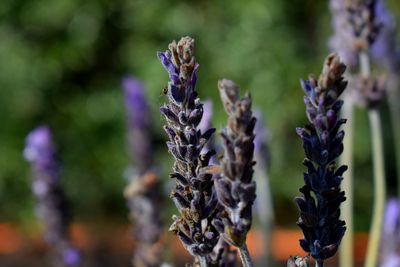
(193, 193)
(236, 188)
(138, 120)
(51, 203)
(390, 255)
(71, 257)
(322, 141)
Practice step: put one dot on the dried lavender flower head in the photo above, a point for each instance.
(139, 123)
(323, 142)
(235, 187)
(193, 194)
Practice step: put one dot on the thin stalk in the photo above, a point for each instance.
(379, 187)
(319, 263)
(203, 261)
(265, 206)
(346, 247)
(245, 256)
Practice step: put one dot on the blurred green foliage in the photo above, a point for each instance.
(61, 62)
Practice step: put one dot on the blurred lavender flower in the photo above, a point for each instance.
(263, 203)
(193, 194)
(341, 41)
(51, 203)
(385, 49)
(142, 192)
(390, 242)
(138, 120)
(236, 189)
(262, 156)
(356, 25)
(322, 142)
(361, 15)
(368, 91)
(143, 198)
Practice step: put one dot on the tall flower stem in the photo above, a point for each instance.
(245, 256)
(346, 249)
(379, 172)
(379, 187)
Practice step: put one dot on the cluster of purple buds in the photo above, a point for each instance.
(235, 187)
(193, 195)
(51, 203)
(322, 141)
(390, 243)
(142, 192)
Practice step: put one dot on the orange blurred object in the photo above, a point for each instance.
(284, 242)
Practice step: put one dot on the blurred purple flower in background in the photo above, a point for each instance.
(51, 203)
(139, 123)
(143, 190)
(390, 241)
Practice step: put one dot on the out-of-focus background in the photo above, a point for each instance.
(61, 64)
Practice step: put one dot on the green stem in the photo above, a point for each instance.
(265, 207)
(379, 187)
(203, 261)
(245, 256)
(346, 247)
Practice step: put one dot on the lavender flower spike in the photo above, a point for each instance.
(235, 188)
(142, 192)
(51, 202)
(322, 141)
(138, 120)
(193, 194)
